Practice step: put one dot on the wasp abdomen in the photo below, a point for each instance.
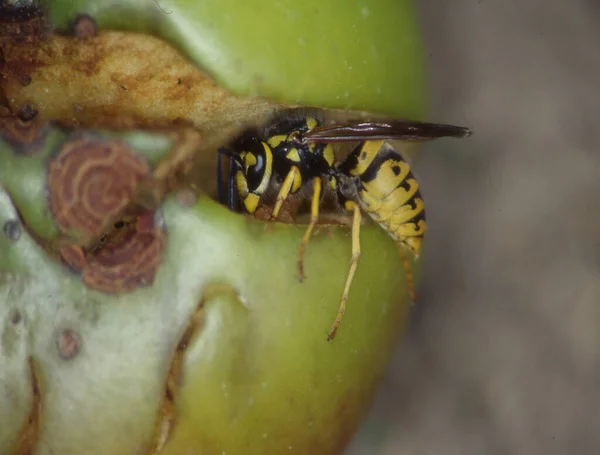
(388, 192)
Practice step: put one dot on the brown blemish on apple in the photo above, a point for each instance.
(22, 24)
(26, 136)
(25, 80)
(91, 181)
(27, 113)
(68, 343)
(128, 258)
(84, 26)
(92, 72)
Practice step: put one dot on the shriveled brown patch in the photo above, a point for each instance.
(126, 259)
(91, 181)
(68, 344)
(86, 82)
(22, 23)
(109, 81)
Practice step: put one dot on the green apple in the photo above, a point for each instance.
(223, 350)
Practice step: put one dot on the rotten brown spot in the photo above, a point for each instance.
(128, 258)
(22, 60)
(68, 343)
(21, 23)
(25, 137)
(91, 181)
(25, 80)
(84, 26)
(27, 113)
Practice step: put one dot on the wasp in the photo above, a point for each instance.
(294, 153)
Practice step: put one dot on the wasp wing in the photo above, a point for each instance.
(389, 130)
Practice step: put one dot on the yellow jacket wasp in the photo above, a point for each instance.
(295, 150)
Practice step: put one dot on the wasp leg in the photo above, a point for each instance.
(354, 262)
(408, 271)
(314, 217)
(284, 191)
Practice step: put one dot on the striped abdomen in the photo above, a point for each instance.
(388, 191)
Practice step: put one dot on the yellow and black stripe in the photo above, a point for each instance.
(388, 192)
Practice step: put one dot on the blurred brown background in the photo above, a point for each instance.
(502, 355)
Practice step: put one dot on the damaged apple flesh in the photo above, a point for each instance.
(109, 81)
